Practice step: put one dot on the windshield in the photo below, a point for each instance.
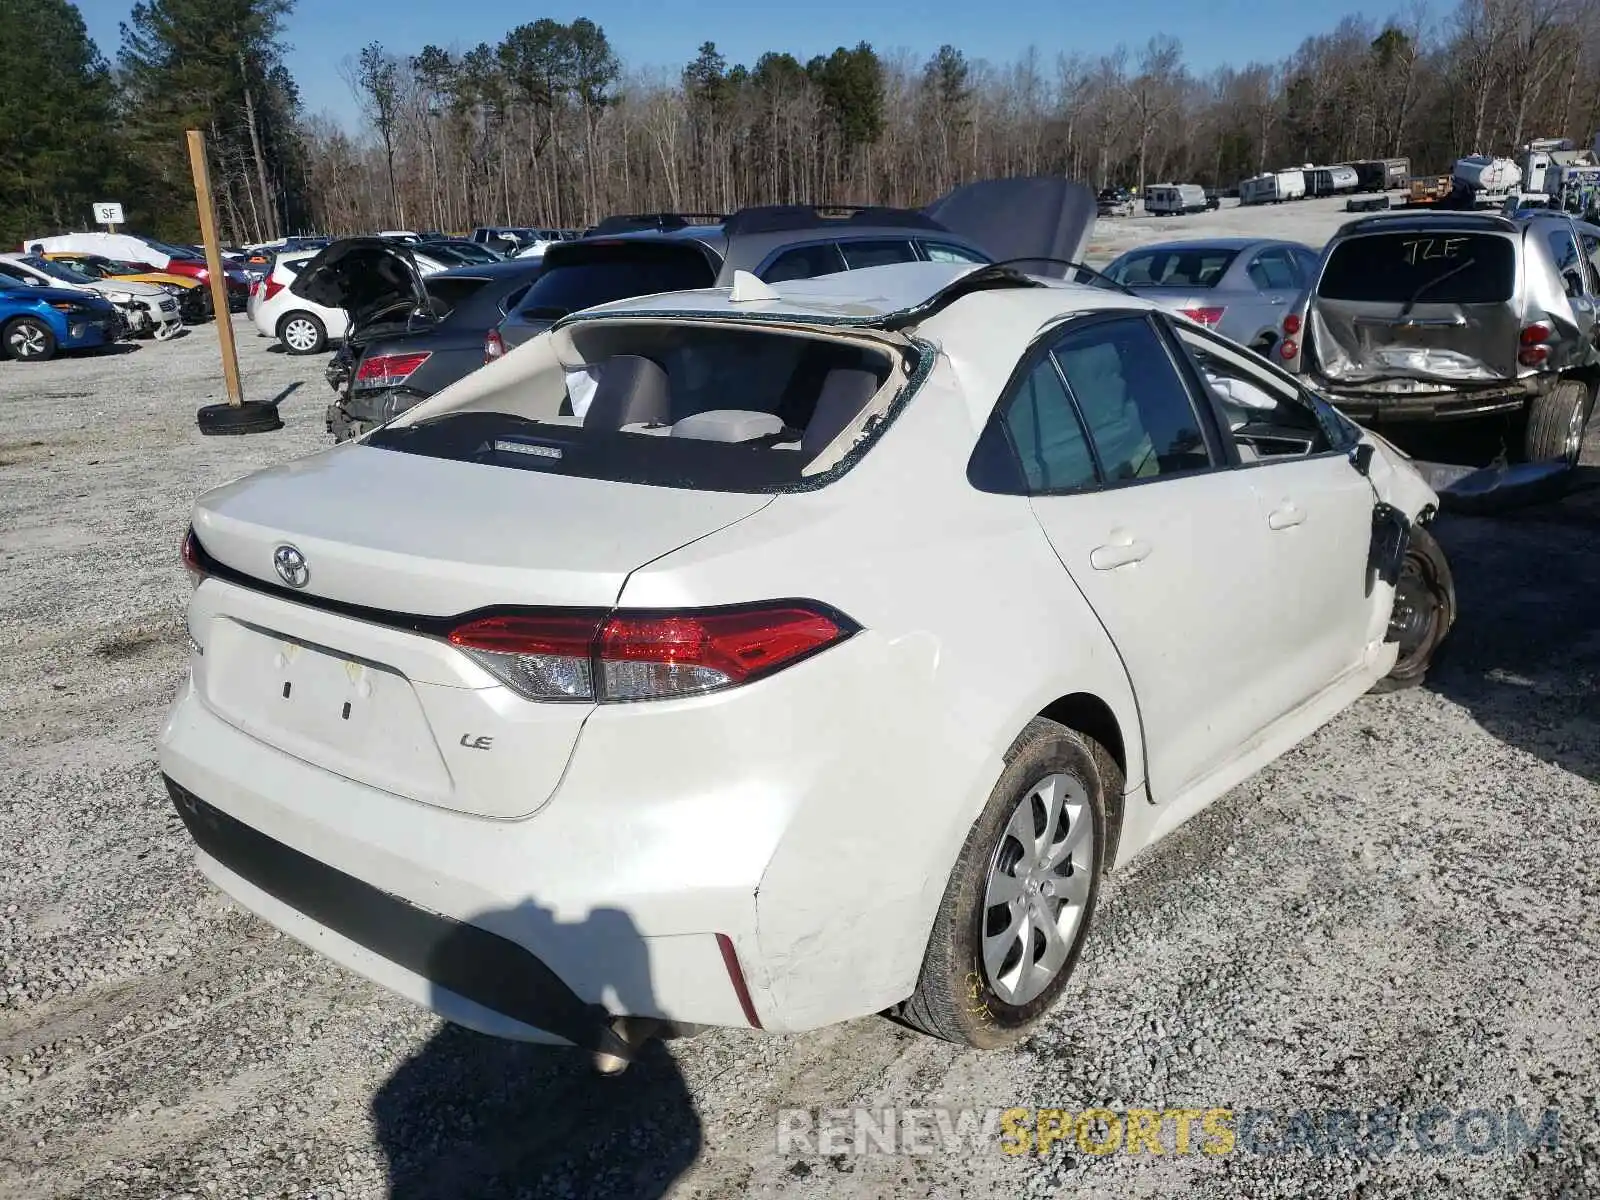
(708, 408)
(1428, 267)
(56, 270)
(574, 286)
(1187, 266)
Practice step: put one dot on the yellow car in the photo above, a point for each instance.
(194, 298)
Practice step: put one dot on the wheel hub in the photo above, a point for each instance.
(1037, 889)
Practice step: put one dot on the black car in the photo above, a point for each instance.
(429, 335)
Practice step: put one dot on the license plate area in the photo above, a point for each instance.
(358, 718)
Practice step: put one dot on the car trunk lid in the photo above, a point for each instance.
(369, 278)
(1041, 221)
(313, 659)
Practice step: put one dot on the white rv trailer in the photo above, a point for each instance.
(1274, 187)
(1170, 199)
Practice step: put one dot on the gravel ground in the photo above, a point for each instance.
(1398, 913)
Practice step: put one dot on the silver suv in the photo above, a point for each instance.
(1420, 317)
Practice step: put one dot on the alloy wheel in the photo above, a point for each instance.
(1037, 889)
(27, 341)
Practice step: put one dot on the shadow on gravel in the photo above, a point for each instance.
(1524, 657)
(485, 1117)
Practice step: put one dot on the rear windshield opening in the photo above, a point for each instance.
(673, 405)
(1428, 268)
(1189, 267)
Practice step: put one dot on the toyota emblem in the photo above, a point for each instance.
(291, 566)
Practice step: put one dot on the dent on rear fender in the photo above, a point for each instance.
(844, 906)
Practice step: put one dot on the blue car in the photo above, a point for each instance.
(37, 322)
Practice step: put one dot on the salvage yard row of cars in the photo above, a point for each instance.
(665, 626)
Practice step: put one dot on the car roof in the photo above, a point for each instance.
(866, 296)
(510, 266)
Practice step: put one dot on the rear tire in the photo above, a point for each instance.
(27, 339)
(1424, 611)
(1556, 421)
(993, 966)
(302, 333)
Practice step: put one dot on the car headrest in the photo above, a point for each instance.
(632, 390)
(844, 394)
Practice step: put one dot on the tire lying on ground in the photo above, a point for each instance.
(253, 416)
(1556, 421)
(27, 340)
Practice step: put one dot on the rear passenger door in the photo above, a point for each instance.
(1576, 275)
(1124, 465)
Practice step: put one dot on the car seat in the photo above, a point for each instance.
(845, 392)
(632, 390)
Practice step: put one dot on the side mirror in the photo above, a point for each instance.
(1361, 457)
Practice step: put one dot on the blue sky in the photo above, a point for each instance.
(656, 33)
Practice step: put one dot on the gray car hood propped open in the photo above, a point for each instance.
(1035, 219)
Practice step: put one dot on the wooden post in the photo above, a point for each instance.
(219, 282)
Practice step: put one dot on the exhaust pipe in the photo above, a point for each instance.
(623, 1039)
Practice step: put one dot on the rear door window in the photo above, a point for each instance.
(879, 253)
(1434, 268)
(805, 262)
(1274, 271)
(1139, 412)
(1046, 433)
(945, 252)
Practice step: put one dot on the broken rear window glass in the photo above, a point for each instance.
(1428, 268)
(708, 407)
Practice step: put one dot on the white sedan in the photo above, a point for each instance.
(823, 666)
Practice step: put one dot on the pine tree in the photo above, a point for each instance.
(213, 65)
(57, 137)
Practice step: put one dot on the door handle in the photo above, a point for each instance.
(1286, 516)
(1118, 554)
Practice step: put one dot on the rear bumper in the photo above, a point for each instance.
(515, 928)
(1378, 408)
(475, 976)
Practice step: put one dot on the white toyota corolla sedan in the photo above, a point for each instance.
(820, 663)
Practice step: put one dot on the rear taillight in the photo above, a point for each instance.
(1534, 352)
(493, 346)
(1291, 324)
(1209, 317)
(388, 370)
(600, 657)
(1288, 349)
(192, 561)
(270, 288)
